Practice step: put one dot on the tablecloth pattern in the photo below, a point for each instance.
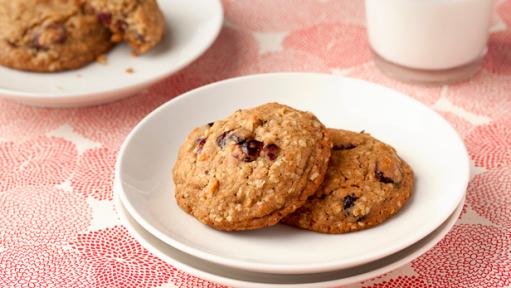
(58, 225)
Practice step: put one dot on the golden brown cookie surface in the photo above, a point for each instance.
(49, 35)
(253, 168)
(366, 183)
(138, 22)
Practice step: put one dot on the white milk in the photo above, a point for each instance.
(429, 34)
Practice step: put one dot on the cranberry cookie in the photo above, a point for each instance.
(49, 35)
(365, 184)
(138, 22)
(253, 168)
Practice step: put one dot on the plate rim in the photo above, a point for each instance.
(26, 97)
(280, 268)
(122, 212)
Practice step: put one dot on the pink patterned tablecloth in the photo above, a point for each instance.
(58, 226)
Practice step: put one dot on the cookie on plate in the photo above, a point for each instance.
(366, 183)
(138, 22)
(253, 168)
(49, 35)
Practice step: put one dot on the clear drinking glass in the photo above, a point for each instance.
(432, 41)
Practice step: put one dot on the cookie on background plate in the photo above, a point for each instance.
(253, 168)
(49, 35)
(366, 183)
(138, 22)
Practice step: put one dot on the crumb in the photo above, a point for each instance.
(130, 70)
(102, 59)
(78, 75)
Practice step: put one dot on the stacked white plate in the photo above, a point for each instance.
(282, 255)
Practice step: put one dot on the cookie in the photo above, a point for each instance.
(49, 35)
(138, 22)
(251, 169)
(366, 183)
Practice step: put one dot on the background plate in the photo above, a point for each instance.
(192, 26)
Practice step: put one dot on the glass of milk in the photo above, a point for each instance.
(433, 41)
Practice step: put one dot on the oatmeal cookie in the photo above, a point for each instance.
(49, 35)
(253, 168)
(366, 183)
(138, 22)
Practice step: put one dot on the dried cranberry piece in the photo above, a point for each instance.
(200, 144)
(105, 18)
(345, 146)
(221, 140)
(251, 149)
(36, 43)
(62, 38)
(272, 151)
(237, 139)
(62, 32)
(121, 25)
(349, 201)
(140, 37)
(57, 36)
(382, 178)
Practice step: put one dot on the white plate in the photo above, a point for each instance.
(240, 278)
(192, 26)
(426, 141)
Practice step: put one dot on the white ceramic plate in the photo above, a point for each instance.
(240, 278)
(426, 141)
(192, 26)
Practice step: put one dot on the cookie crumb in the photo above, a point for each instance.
(130, 70)
(102, 59)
